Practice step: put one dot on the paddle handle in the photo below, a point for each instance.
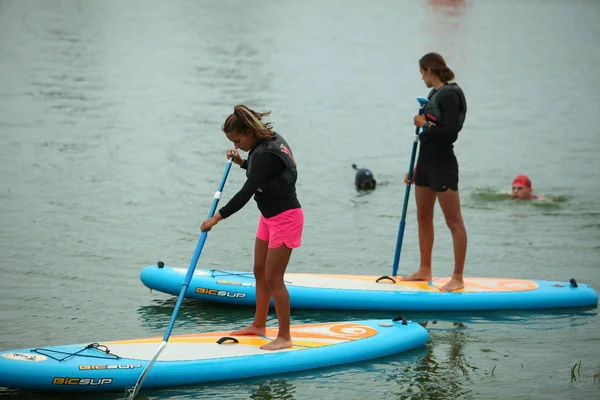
(422, 102)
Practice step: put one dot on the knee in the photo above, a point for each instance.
(455, 223)
(259, 272)
(424, 216)
(274, 282)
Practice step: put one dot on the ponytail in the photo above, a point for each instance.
(446, 75)
(244, 119)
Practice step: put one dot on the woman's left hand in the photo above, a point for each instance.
(420, 121)
(208, 224)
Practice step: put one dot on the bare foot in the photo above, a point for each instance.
(453, 284)
(277, 344)
(250, 330)
(418, 276)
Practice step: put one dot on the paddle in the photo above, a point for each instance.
(422, 101)
(186, 283)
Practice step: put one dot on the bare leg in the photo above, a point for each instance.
(263, 295)
(450, 204)
(425, 199)
(277, 262)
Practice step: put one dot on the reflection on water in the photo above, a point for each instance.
(445, 26)
(447, 7)
(441, 373)
(31, 394)
(195, 315)
(273, 389)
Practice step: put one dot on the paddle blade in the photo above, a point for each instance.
(142, 378)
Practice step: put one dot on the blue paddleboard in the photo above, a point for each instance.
(363, 292)
(203, 357)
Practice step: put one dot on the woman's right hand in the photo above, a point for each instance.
(235, 156)
(406, 181)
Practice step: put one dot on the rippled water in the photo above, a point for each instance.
(110, 117)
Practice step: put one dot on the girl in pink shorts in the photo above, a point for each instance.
(271, 178)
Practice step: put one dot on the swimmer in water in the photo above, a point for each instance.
(522, 190)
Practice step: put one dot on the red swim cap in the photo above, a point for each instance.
(522, 180)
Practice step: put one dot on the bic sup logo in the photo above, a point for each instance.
(220, 293)
(82, 381)
(110, 366)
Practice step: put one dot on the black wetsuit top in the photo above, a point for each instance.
(437, 167)
(437, 142)
(266, 167)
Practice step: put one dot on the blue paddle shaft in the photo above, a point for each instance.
(196, 256)
(186, 283)
(422, 102)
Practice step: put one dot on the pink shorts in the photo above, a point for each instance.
(284, 228)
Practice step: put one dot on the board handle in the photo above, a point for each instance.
(573, 282)
(385, 277)
(404, 321)
(227, 338)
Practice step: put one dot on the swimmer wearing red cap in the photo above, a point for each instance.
(521, 189)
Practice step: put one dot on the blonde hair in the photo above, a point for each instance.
(244, 119)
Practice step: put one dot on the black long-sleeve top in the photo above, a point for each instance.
(264, 167)
(437, 141)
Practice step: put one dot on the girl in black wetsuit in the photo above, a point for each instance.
(271, 179)
(436, 173)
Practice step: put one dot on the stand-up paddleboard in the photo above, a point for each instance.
(360, 292)
(204, 357)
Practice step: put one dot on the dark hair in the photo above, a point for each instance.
(437, 65)
(244, 119)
